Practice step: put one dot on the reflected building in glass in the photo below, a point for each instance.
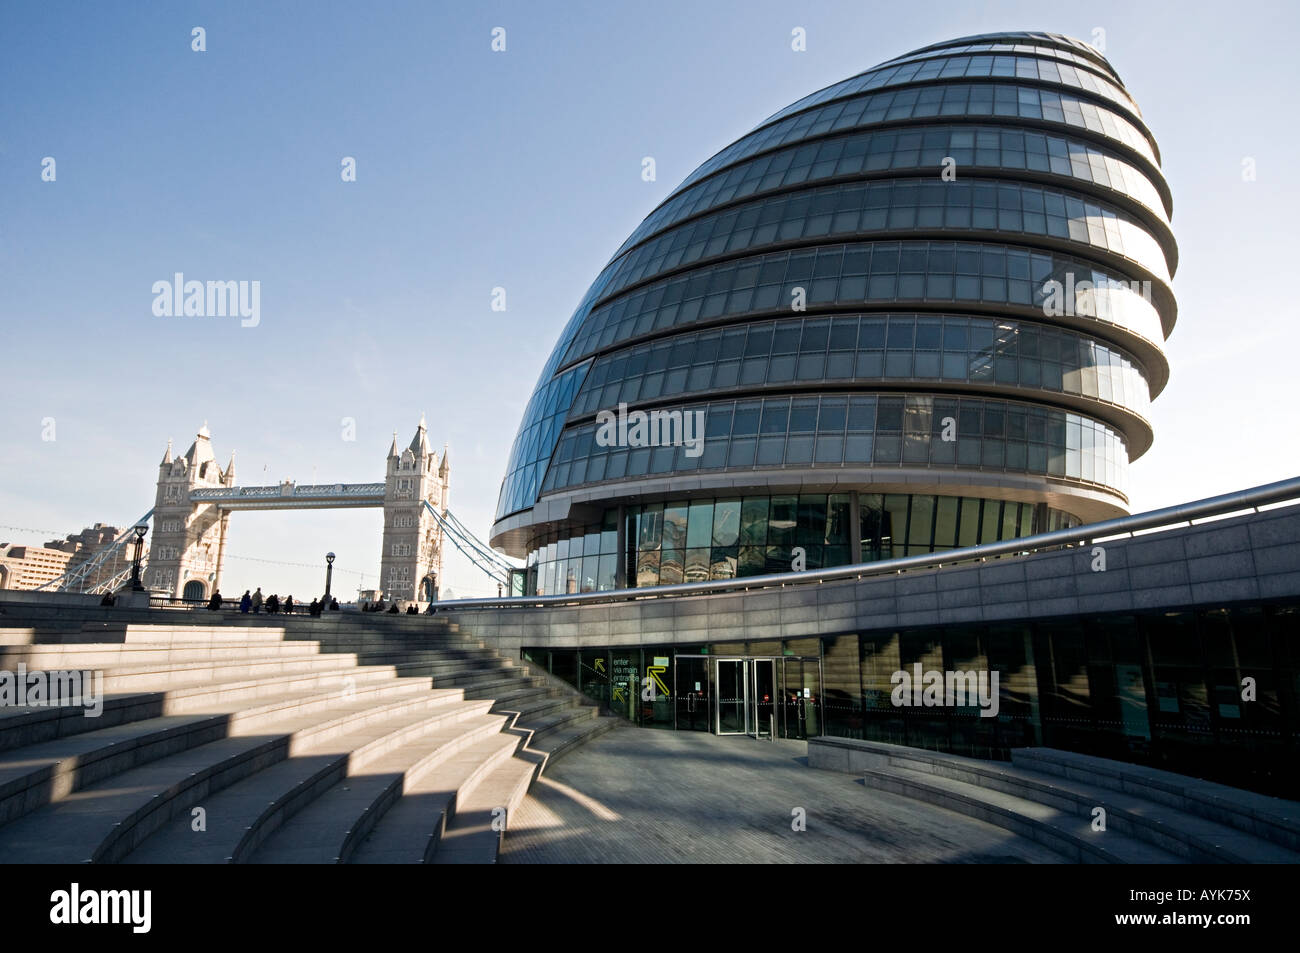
(919, 309)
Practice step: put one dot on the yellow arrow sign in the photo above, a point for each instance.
(654, 671)
(600, 665)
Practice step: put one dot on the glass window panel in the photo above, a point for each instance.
(726, 523)
(699, 527)
(753, 520)
(893, 529)
(992, 521)
(783, 518)
(945, 522)
(921, 524)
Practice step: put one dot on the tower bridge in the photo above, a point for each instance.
(196, 496)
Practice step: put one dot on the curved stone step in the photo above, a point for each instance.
(411, 829)
(330, 830)
(240, 817)
(1185, 835)
(99, 655)
(482, 817)
(1273, 819)
(1057, 830)
(20, 727)
(565, 738)
(33, 778)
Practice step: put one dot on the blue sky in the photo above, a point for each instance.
(521, 170)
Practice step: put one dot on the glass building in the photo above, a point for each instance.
(1159, 687)
(922, 308)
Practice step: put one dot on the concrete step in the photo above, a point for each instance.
(22, 726)
(482, 817)
(556, 720)
(332, 828)
(410, 831)
(537, 709)
(241, 817)
(41, 774)
(1273, 819)
(1061, 831)
(104, 822)
(100, 655)
(1191, 838)
(559, 742)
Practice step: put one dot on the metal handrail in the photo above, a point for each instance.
(1167, 517)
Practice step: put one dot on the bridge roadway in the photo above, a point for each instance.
(288, 495)
(1254, 556)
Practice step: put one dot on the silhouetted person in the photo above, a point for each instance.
(334, 604)
(108, 599)
(215, 602)
(378, 606)
(245, 602)
(392, 610)
(314, 609)
(257, 601)
(288, 605)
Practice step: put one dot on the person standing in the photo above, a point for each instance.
(245, 602)
(257, 601)
(288, 605)
(215, 602)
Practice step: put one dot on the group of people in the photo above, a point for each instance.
(272, 603)
(392, 609)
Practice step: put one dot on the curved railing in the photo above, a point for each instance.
(1169, 517)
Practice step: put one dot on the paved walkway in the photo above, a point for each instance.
(640, 795)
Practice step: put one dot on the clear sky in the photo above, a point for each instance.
(522, 170)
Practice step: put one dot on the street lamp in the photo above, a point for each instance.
(329, 574)
(136, 585)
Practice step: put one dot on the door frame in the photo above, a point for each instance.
(708, 689)
(752, 701)
(742, 682)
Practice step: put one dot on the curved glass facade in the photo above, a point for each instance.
(842, 430)
(872, 348)
(699, 540)
(1007, 279)
(983, 147)
(953, 268)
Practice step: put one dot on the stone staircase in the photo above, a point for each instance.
(271, 740)
(1051, 797)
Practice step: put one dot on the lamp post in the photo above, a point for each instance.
(329, 574)
(136, 584)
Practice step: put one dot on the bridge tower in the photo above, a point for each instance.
(185, 555)
(411, 563)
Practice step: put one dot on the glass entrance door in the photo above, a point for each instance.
(800, 698)
(731, 708)
(691, 693)
(763, 698)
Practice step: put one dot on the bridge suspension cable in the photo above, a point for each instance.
(103, 572)
(488, 553)
(484, 559)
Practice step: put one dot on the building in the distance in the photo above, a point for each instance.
(29, 567)
(922, 308)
